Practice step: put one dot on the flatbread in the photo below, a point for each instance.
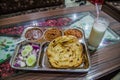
(65, 52)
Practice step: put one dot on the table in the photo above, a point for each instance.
(103, 61)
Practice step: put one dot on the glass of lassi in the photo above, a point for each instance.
(97, 32)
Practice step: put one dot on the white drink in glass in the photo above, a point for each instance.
(97, 33)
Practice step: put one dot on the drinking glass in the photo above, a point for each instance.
(99, 3)
(98, 29)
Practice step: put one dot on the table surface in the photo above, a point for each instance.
(103, 61)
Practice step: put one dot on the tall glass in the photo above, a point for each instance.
(99, 27)
(99, 3)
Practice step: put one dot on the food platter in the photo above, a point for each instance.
(32, 52)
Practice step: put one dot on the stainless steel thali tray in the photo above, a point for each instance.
(42, 63)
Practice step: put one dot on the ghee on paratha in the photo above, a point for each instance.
(65, 52)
